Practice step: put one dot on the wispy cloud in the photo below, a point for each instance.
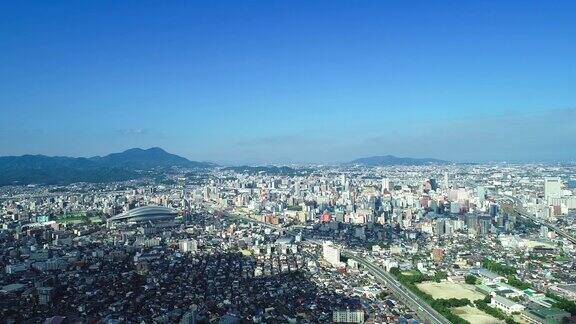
(133, 131)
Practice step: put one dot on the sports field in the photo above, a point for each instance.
(447, 289)
(474, 315)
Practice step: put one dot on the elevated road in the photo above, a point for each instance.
(519, 208)
(415, 303)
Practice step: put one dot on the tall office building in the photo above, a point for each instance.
(440, 227)
(330, 253)
(481, 192)
(188, 246)
(552, 188)
(348, 316)
(484, 225)
(433, 184)
(493, 210)
(471, 221)
(544, 231)
(385, 185)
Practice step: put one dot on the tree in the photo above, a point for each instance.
(440, 275)
(499, 268)
(515, 282)
(382, 295)
(470, 279)
(563, 303)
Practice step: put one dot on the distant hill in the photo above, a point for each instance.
(41, 169)
(390, 160)
(155, 157)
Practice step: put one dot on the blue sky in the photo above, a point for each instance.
(290, 81)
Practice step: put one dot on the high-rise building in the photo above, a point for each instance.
(348, 316)
(433, 184)
(544, 231)
(552, 188)
(440, 227)
(188, 246)
(471, 221)
(330, 253)
(493, 210)
(449, 228)
(385, 184)
(484, 225)
(481, 192)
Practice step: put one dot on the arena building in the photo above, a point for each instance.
(145, 214)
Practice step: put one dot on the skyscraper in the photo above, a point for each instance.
(552, 187)
(440, 227)
(481, 192)
(433, 184)
(385, 185)
(484, 225)
(330, 253)
(188, 246)
(343, 179)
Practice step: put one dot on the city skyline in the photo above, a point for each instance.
(296, 82)
(443, 243)
(327, 161)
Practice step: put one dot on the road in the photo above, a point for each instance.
(415, 303)
(519, 208)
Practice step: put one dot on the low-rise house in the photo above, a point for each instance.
(506, 305)
(487, 276)
(544, 315)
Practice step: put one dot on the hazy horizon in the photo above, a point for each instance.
(296, 163)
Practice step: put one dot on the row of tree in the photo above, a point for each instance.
(442, 306)
(483, 305)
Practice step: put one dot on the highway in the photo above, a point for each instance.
(519, 208)
(424, 311)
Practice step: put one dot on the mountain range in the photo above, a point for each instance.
(29, 169)
(136, 163)
(390, 160)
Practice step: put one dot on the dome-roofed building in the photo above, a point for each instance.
(144, 214)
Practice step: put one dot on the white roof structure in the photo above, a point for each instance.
(145, 213)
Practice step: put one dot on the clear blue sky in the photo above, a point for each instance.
(290, 81)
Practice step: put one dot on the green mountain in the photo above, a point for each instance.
(130, 164)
